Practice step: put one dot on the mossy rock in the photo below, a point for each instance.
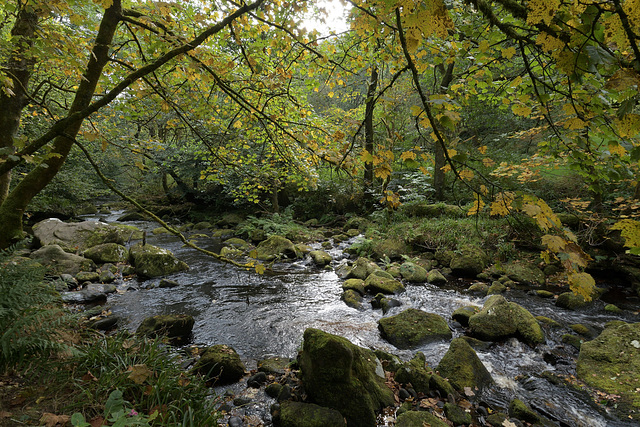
(354, 284)
(500, 319)
(202, 225)
(413, 273)
(320, 258)
(159, 230)
(221, 364)
(87, 276)
(223, 233)
(274, 365)
(276, 247)
(496, 288)
(543, 320)
(422, 209)
(469, 261)
(416, 373)
(377, 284)
(107, 252)
(462, 367)
(176, 327)
(237, 243)
(392, 248)
(419, 418)
(362, 268)
(389, 361)
(544, 294)
(230, 252)
(612, 308)
(340, 375)
(151, 261)
(462, 314)
(129, 232)
(441, 385)
(352, 298)
(132, 216)
(230, 220)
(520, 411)
(571, 301)
(78, 236)
(572, 340)
(413, 327)
(299, 414)
(611, 361)
(583, 330)
(457, 415)
(435, 277)
(524, 273)
(479, 288)
(497, 419)
(382, 273)
(59, 261)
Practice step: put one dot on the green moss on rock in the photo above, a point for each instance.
(299, 414)
(413, 327)
(419, 418)
(462, 367)
(354, 284)
(107, 252)
(176, 327)
(416, 373)
(520, 411)
(352, 298)
(462, 314)
(377, 284)
(413, 273)
(221, 364)
(152, 261)
(276, 247)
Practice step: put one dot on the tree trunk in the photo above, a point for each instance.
(368, 127)
(440, 161)
(17, 200)
(14, 98)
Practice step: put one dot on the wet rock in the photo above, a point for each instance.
(572, 340)
(276, 247)
(60, 261)
(320, 258)
(583, 330)
(362, 268)
(84, 296)
(229, 252)
(274, 365)
(298, 414)
(469, 261)
(384, 303)
(376, 284)
(354, 284)
(105, 288)
(571, 301)
(343, 376)
(462, 367)
(611, 361)
(456, 414)
(543, 320)
(441, 385)
(87, 276)
(390, 362)
(435, 277)
(544, 294)
(105, 323)
(383, 274)
(462, 314)
(235, 422)
(237, 243)
(419, 418)
(415, 372)
(497, 419)
(524, 273)
(159, 230)
(223, 234)
(412, 328)
(413, 273)
(272, 390)
(500, 319)
(257, 380)
(496, 288)
(152, 261)
(132, 216)
(520, 411)
(77, 236)
(221, 364)
(352, 298)
(106, 276)
(167, 284)
(107, 252)
(479, 288)
(176, 327)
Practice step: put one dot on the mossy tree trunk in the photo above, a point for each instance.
(440, 160)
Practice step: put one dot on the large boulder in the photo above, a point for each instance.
(611, 362)
(152, 261)
(500, 319)
(76, 236)
(379, 284)
(419, 418)
(415, 372)
(60, 261)
(107, 252)
(320, 258)
(462, 367)
(362, 268)
(298, 414)
(220, 363)
(413, 273)
(343, 376)
(524, 273)
(176, 327)
(413, 327)
(469, 261)
(276, 247)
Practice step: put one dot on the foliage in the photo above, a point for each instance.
(31, 316)
(118, 412)
(144, 373)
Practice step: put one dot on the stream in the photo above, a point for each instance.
(266, 315)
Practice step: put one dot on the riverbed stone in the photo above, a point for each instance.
(221, 364)
(419, 418)
(524, 273)
(60, 261)
(415, 372)
(151, 261)
(354, 284)
(571, 301)
(299, 414)
(611, 361)
(457, 415)
(462, 314)
(468, 261)
(237, 243)
(320, 258)
(176, 327)
(496, 288)
(519, 410)
(435, 277)
(479, 288)
(500, 319)
(87, 276)
(362, 268)
(276, 247)
(340, 375)
(413, 327)
(413, 273)
(274, 365)
(77, 236)
(84, 296)
(377, 284)
(132, 216)
(462, 367)
(352, 298)
(107, 252)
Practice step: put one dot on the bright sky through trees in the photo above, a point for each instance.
(335, 20)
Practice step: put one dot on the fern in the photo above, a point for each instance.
(31, 313)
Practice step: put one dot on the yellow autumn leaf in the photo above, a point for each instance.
(139, 373)
(466, 174)
(483, 149)
(554, 243)
(521, 110)
(582, 284)
(509, 52)
(630, 232)
(408, 155)
(260, 269)
(478, 204)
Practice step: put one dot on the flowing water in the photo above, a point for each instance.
(266, 315)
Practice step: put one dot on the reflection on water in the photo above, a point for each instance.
(267, 315)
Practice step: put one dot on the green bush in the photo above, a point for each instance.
(31, 314)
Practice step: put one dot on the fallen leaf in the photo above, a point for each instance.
(468, 392)
(507, 423)
(139, 373)
(89, 377)
(5, 414)
(52, 420)
(97, 422)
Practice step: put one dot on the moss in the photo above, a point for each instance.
(176, 327)
(480, 288)
(151, 261)
(276, 247)
(581, 329)
(220, 363)
(413, 327)
(392, 248)
(440, 384)
(496, 288)
(517, 409)
(362, 268)
(570, 301)
(612, 308)
(544, 294)
(107, 252)
(470, 260)
(352, 298)
(462, 314)
(548, 321)
(377, 284)
(415, 373)
(572, 340)
(354, 284)
(456, 414)
(294, 414)
(462, 367)
(419, 418)
(412, 272)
